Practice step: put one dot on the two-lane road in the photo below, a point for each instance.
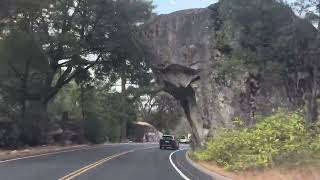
(112, 162)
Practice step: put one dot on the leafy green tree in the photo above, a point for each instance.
(19, 78)
(128, 56)
(74, 36)
(162, 111)
(111, 112)
(67, 38)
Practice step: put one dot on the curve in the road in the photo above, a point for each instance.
(150, 164)
(121, 162)
(175, 167)
(85, 169)
(55, 165)
(59, 152)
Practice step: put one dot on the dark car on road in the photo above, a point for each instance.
(168, 141)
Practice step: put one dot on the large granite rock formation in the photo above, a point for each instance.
(203, 58)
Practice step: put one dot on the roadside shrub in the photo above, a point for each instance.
(94, 129)
(275, 139)
(101, 128)
(315, 144)
(9, 136)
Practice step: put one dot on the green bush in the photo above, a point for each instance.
(94, 129)
(315, 143)
(276, 138)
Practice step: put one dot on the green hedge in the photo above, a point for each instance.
(277, 138)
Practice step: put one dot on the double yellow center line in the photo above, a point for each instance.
(93, 165)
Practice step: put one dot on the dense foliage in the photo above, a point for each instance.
(99, 111)
(277, 138)
(162, 111)
(51, 52)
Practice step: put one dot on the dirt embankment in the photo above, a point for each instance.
(32, 151)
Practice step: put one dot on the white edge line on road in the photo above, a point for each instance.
(175, 167)
(64, 151)
(205, 171)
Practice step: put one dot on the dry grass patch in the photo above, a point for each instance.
(307, 172)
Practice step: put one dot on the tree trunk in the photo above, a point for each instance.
(310, 99)
(23, 109)
(24, 96)
(314, 92)
(310, 108)
(123, 131)
(123, 84)
(35, 124)
(123, 121)
(252, 88)
(82, 102)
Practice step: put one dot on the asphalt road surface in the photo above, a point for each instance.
(107, 162)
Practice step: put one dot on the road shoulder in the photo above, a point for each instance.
(7, 155)
(214, 175)
(191, 172)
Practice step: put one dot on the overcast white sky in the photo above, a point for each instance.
(168, 6)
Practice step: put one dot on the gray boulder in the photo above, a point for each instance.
(202, 57)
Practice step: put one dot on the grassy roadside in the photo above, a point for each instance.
(277, 173)
(307, 171)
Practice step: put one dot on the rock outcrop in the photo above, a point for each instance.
(207, 59)
(143, 132)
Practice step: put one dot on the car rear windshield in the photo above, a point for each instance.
(167, 137)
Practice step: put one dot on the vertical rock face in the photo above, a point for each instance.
(199, 56)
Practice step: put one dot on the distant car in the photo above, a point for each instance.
(184, 140)
(168, 141)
